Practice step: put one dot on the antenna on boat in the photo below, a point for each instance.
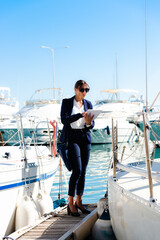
(146, 57)
(116, 76)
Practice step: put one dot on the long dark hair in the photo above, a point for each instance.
(80, 83)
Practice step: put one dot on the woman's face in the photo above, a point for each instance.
(81, 91)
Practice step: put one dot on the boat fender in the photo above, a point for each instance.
(44, 203)
(108, 130)
(102, 229)
(101, 205)
(27, 141)
(26, 213)
(6, 155)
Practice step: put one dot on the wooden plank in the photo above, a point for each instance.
(53, 228)
(82, 229)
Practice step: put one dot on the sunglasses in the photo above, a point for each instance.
(84, 89)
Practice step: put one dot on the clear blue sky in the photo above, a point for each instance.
(95, 30)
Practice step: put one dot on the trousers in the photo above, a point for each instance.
(79, 152)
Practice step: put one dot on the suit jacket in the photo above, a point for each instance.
(67, 118)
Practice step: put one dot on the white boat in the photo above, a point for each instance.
(120, 110)
(8, 105)
(154, 124)
(26, 178)
(43, 105)
(133, 196)
(38, 115)
(153, 117)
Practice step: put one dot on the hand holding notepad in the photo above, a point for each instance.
(94, 112)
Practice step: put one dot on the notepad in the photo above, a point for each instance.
(94, 112)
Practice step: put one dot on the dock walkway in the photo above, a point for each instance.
(60, 226)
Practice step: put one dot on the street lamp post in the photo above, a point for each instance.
(52, 51)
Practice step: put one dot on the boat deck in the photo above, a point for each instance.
(138, 185)
(134, 207)
(60, 226)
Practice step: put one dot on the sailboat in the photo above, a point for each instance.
(133, 195)
(133, 191)
(26, 177)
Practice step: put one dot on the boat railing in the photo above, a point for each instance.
(13, 136)
(138, 171)
(21, 135)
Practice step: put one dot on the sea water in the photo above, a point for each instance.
(97, 170)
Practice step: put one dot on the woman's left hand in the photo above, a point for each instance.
(88, 118)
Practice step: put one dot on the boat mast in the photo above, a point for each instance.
(117, 75)
(116, 72)
(146, 57)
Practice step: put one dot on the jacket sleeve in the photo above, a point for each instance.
(66, 117)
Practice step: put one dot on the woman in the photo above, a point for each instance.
(76, 132)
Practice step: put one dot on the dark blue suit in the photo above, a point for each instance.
(79, 144)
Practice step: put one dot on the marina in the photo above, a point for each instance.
(93, 134)
(40, 183)
(96, 188)
(51, 225)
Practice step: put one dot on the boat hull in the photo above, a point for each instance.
(19, 177)
(132, 217)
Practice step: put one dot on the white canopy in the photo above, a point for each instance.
(113, 91)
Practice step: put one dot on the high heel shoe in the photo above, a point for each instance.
(85, 210)
(74, 214)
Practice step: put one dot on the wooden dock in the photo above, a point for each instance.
(60, 226)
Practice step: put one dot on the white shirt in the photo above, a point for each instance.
(79, 124)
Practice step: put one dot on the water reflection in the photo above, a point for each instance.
(96, 177)
(102, 147)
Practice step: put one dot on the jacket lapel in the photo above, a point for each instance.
(70, 104)
(85, 105)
